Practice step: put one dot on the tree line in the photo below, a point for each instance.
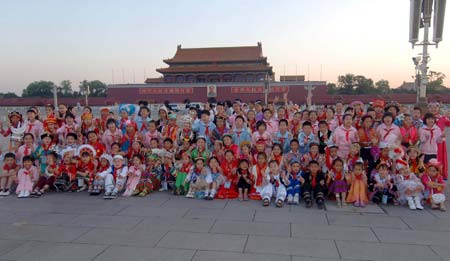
(349, 84)
(44, 89)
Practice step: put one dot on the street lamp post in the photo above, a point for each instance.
(266, 88)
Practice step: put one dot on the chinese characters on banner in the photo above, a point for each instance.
(168, 90)
(273, 89)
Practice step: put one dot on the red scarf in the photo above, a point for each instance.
(388, 131)
(8, 168)
(313, 180)
(185, 167)
(431, 130)
(260, 173)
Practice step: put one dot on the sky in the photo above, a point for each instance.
(125, 41)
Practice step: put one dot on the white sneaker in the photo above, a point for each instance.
(418, 203)
(26, 194)
(296, 199)
(290, 199)
(6, 193)
(411, 204)
(2, 193)
(20, 194)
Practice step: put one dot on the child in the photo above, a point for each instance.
(305, 137)
(204, 127)
(282, 136)
(216, 175)
(41, 152)
(69, 126)
(47, 179)
(415, 162)
(338, 185)
(271, 123)
(245, 180)
(358, 186)
(430, 136)
(8, 173)
(261, 134)
(86, 167)
(106, 161)
(434, 185)
(112, 134)
(185, 132)
(258, 175)
(383, 186)
(324, 136)
(292, 182)
(240, 133)
(114, 177)
(409, 132)
(26, 177)
(313, 185)
(167, 172)
(197, 178)
(34, 126)
(344, 136)
(312, 154)
(27, 148)
(410, 188)
(182, 171)
(67, 171)
(201, 150)
(388, 131)
(294, 153)
(275, 187)
(171, 129)
(134, 175)
(227, 140)
(152, 134)
(353, 156)
(229, 166)
(148, 182)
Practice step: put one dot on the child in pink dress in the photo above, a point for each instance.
(27, 175)
(344, 136)
(434, 185)
(442, 122)
(430, 136)
(134, 175)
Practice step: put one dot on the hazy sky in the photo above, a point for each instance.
(76, 40)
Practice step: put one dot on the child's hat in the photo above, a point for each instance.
(401, 164)
(245, 143)
(434, 163)
(201, 137)
(15, 114)
(168, 154)
(261, 141)
(120, 157)
(46, 135)
(172, 116)
(294, 160)
(107, 157)
(87, 148)
(383, 145)
(67, 151)
(332, 145)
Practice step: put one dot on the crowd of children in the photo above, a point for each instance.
(361, 153)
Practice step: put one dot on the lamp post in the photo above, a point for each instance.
(266, 88)
(87, 94)
(55, 95)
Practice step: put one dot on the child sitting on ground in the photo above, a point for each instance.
(8, 173)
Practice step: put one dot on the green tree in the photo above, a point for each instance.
(436, 83)
(364, 85)
(42, 89)
(383, 87)
(8, 95)
(332, 88)
(94, 88)
(65, 89)
(346, 83)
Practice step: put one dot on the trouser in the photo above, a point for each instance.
(428, 157)
(318, 192)
(270, 190)
(368, 158)
(293, 187)
(111, 184)
(45, 181)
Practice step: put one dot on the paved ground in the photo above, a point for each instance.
(165, 227)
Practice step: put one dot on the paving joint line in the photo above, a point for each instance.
(101, 252)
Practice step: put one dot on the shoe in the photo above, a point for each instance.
(296, 200)
(290, 199)
(107, 195)
(190, 194)
(279, 203)
(26, 194)
(411, 204)
(320, 204)
(6, 193)
(142, 194)
(442, 208)
(2, 193)
(418, 203)
(357, 204)
(20, 194)
(308, 203)
(338, 202)
(83, 188)
(114, 194)
(266, 202)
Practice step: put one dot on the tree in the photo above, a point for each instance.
(436, 83)
(364, 85)
(97, 89)
(42, 89)
(346, 83)
(382, 86)
(332, 88)
(8, 95)
(65, 89)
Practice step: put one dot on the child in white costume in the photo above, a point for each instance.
(115, 177)
(410, 188)
(275, 186)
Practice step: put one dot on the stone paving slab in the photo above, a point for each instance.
(203, 241)
(371, 208)
(225, 214)
(175, 224)
(294, 217)
(442, 251)
(183, 202)
(144, 254)
(138, 211)
(333, 232)
(121, 237)
(366, 221)
(413, 237)
(290, 246)
(111, 222)
(40, 233)
(7, 245)
(225, 256)
(381, 251)
(251, 228)
(423, 223)
(54, 252)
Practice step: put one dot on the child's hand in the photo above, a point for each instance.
(302, 180)
(322, 182)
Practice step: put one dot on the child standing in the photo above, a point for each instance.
(338, 185)
(181, 187)
(430, 136)
(245, 177)
(8, 173)
(292, 181)
(358, 186)
(26, 176)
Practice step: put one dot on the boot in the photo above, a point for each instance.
(418, 203)
(411, 204)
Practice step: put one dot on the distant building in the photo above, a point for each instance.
(407, 86)
(292, 78)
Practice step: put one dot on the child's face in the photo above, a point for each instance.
(201, 143)
(295, 167)
(115, 148)
(112, 126)
(392, 110)
(262, 128)
(432, 172)
(136, 146)
(217, 146)
(67, 159)
(136, 161)
(338, 166)
(220, 123)
(260, 147)
(103, 162)
(27, 164)
(46, 140)
(416, 114)
(244, 165)
(367, 122)
(227, 140)
(261, 160)
(213, 163)
(50, 159)
(306, 129)
(167, 145)
(92, 137)
(383, 171)
(314, 149)
(69, 120)
(358, 169)
(199, 164)
(314, 168)
(407, 121)
(49, 110)
(9, 161)
(373, 114)
(412, 154)
(118, 163)
(85, 159)
(251, 115)
(276, 150)
(387, 120)
(205, 118)
(229, 156)
(123, 114)
(31, 115)
(28, 140)
(130, 128)
(333, 152)
(313, 117)
(323, 128)
(283, 127)
(404, 171)
(245, 150)
(429, 122)
(273, 167)
(330, 114)
(294, 146)
(154, 144)
(239, 123)
(187, 125)
(167, 160)
(267, 115)
(152, 127)
(385, 152)
(144, 113)
(354, 150)
(305, 116)
(348, 121)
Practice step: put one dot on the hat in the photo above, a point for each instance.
(261, 141)
(105, 109)
(15, 114)
(120, 157)
(87, 148)
(131, 123)
(360, 103)
(201, 138)
(258, 102)
(107, 157)
(395, 105)
(245, 143)
(67, 150)
(332, 145)
(168, 154)
(434, 103)
(32, 109)
(294, 160)
(87, 116)
(220, 104)
(45, 135)
(172, 116)
(50, 119)
(435, 163)
(128, 108)
(401, 164)
(313, 143)
(152, 156)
